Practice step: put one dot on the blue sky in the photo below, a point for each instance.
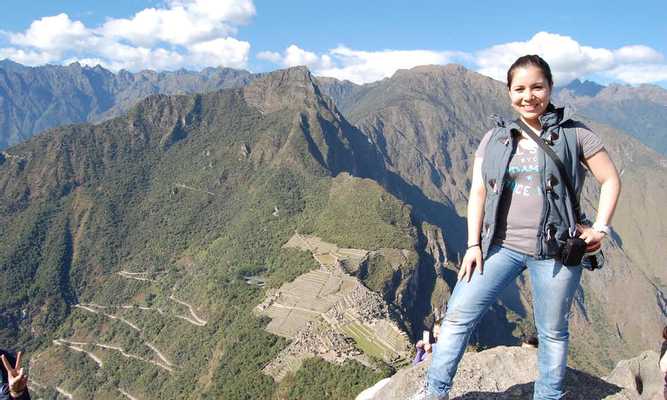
(608, 41)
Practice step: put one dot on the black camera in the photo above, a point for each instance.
(573, 251)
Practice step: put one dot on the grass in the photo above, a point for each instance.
(365, 342)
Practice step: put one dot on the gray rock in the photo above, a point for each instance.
(640, 375)
(504, 373)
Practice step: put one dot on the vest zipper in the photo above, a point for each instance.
(500, 184)
(539, 254)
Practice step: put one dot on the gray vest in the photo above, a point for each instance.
(559, 131)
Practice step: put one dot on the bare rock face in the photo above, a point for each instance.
(640, 375)
(288, 88)
(503, 373)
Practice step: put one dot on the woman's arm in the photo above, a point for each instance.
(473, 256)
(605, 173)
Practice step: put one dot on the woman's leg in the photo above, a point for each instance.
(466, 306)
(554, 286)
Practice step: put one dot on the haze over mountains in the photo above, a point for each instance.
(33, 99)
(640, 111)
(131, 249)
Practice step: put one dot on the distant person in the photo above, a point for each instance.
(520, 214)
(424, 348)
(14, 378)
(663, 359)
(531, 342)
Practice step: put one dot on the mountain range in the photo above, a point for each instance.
(33, 99)
(131, 249)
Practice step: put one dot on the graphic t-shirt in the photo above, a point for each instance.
(519, 210)
(520, 206)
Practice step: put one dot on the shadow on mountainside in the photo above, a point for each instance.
(366, 161)
(346, 148)
(369, 163)
(578, 385)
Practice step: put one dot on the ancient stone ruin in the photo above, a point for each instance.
(330, 314)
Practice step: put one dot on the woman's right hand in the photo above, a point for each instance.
(471, 260)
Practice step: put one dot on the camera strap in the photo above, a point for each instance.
(565, 177)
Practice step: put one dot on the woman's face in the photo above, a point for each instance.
(529, 92)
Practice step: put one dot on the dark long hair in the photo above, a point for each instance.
(534, 60)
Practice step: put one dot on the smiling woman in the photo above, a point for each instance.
(516, 222)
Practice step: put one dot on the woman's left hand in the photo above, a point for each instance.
(589, 234)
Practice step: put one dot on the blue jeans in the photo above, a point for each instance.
(553, 286)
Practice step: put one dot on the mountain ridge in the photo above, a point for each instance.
(36, 98)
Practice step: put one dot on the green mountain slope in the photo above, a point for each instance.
(125, 245)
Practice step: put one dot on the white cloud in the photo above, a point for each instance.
(359, 66)
(228, 51)
(637, 54)
(27, 57)
(294, 55)
(182, 34)
(368, 66)
(271, 56)
(567, 58)
(640, 73)
(51, 33)
(89, 62)
(183, 23)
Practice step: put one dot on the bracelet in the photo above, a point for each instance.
(16, 395)
(602, 228)
(474, 245)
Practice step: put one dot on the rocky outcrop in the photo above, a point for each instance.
(288, 88)
(509, 372)
(640, 375)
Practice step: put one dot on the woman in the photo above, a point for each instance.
(519, 216)
(663, 359)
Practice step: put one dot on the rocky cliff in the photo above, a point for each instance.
(509, 373)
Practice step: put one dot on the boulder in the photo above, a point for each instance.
(509, 373)
(640, 375)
